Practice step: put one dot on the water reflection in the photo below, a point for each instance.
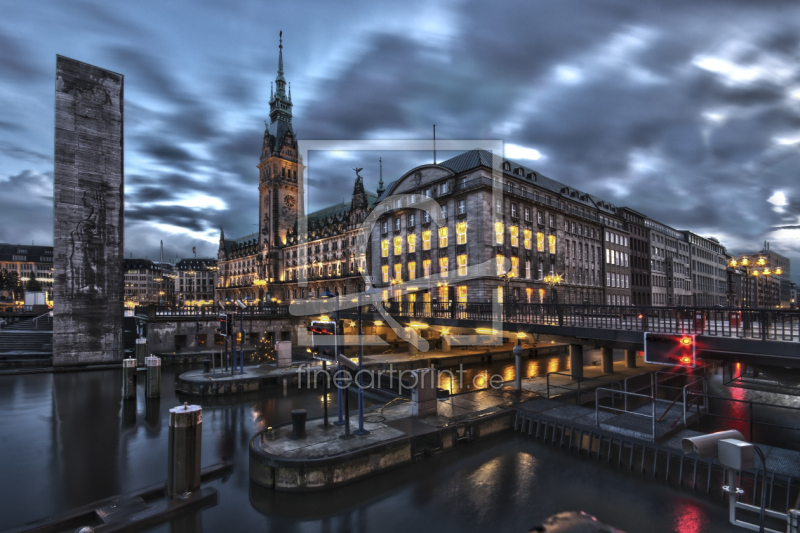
(87, 409)
(476, 376)
(75, 441)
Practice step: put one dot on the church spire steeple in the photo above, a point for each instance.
(280, 55)
(280, 104)
(380, 183)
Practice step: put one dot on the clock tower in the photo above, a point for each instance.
(280, 189)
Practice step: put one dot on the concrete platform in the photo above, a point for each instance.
(198, 383)
(323, 460)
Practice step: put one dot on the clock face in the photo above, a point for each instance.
(289, 201)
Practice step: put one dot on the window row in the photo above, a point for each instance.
(618, 281)
(615, 238)
(411, 240)
(615, 257)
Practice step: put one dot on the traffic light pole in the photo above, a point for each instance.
(340, 421)
(360, 430)
(241, 341)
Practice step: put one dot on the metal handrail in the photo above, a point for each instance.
(578, 381)
(597, 407)
(751, 418)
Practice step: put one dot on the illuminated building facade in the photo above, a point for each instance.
(29, 261)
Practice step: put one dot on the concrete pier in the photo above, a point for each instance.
(129, 379)
(185, 440)
(607, 355)
(153, 383)
(423, 395)
(576, 360)
(630, 358)
(141, 351)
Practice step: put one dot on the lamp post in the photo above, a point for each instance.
(327, 294)
(552, 280)
(371, 293)
(507, 277)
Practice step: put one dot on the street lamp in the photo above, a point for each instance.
(327, 294)
(371, 292)
(552, 280)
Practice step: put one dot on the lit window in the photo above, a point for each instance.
(426, 240)
(412, 270)
(528, 237)
(384, 248)
(541, 296)
(426, 267)
(500, 294)
(398, 245)
(398, 272)
(385, 295)
(443, 267)
(461, 294)
(499, 230)
(515, 266)
(540, 241)
(552, 242)
(461, 233)
(385, 272)
(501, 262)
(412, 243)
(462, 264)
(442, 237)
(514, 230)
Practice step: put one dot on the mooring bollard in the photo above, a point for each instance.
(299, 424)
(129, 379)
(153, 384)
(185, 439)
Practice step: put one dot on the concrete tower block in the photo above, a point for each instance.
(88, 231)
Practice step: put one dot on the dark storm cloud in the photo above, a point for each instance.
(23, 194)
(611, 93)
(15, 61)
(25, 154)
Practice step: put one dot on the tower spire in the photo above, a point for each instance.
(380, 182)
(280, 54)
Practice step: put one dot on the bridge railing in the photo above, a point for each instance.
(763, 324)
(210, 311)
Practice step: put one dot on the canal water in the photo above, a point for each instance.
(68, 439)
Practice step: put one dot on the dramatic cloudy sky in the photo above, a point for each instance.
(686, 111)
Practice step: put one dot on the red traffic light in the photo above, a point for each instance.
(686, 341)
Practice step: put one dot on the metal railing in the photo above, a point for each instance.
(578, 382)
(211, 311)
(760, 324)
(597, 407)
(751, 419)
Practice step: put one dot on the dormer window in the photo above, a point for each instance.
(520, 171)
(506, 166)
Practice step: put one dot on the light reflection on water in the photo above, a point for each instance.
(476, 376)
(72, 440)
